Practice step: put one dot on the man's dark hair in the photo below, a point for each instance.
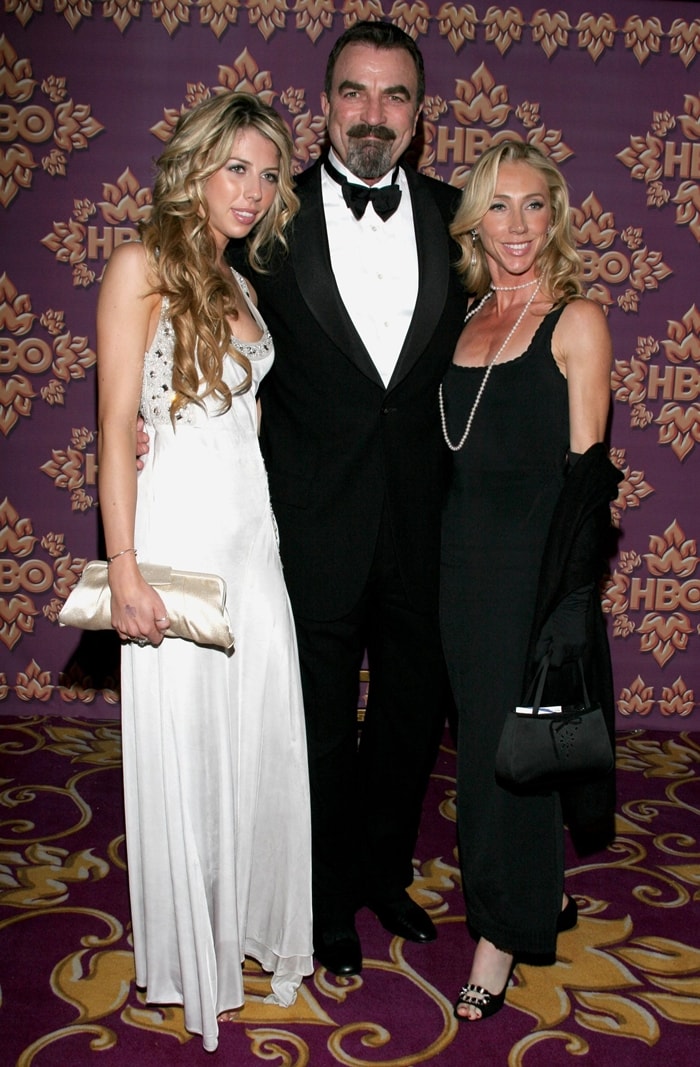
(379, 35)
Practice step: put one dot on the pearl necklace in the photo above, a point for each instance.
(512, 288)
(489, 367)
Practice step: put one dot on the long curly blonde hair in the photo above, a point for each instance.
(558, 264)
(180, 248)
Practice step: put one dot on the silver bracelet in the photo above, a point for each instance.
(123, 552)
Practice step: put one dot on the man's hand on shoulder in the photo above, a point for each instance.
(143, 442)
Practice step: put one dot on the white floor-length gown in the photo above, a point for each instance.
(215, 771)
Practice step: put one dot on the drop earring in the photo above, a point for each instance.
(472, 261)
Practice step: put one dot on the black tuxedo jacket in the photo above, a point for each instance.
(341, 449)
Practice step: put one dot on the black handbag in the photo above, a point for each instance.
(550, 746)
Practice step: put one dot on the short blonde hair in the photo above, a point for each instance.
(558, 264)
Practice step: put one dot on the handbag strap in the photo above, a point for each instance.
(538, 681)
(537, 685)
(584, 690)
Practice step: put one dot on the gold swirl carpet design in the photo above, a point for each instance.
(624, 990)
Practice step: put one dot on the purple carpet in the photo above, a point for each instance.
(625, 988)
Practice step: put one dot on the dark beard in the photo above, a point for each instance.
(369, 151)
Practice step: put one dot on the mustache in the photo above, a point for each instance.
(363, 129)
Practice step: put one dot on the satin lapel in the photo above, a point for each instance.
(432, 244)
(312, 266)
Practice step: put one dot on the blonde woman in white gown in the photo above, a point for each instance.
(215, 773)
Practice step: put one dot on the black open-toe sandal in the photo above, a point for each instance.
(475, 996)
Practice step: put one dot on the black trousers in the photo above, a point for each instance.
(367, 790)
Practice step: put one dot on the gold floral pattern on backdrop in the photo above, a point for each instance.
(665, 588)
(32, 575)
(80, 241)
(500, 26)
(28, 353)
(670, 153)
(609, 93)
(38, 117)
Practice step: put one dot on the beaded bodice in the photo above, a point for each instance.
(157, 392)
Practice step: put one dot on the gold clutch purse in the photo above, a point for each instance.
(195, 603)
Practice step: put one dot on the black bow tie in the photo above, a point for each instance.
(385, 200)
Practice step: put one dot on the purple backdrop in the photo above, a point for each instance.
(89, 93)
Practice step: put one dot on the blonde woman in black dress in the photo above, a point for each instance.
(524, 407)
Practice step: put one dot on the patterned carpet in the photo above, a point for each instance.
(625, 988)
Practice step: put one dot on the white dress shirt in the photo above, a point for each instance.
(375, 265)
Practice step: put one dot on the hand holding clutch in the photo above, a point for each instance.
(196, 603)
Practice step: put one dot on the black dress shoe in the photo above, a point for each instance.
(404, 918)
(339, 953)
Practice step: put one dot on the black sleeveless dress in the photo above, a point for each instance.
(504, 484)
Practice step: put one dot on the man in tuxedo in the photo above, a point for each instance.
(364, 311)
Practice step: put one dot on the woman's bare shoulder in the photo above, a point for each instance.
(128, 271)
(582, 312)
